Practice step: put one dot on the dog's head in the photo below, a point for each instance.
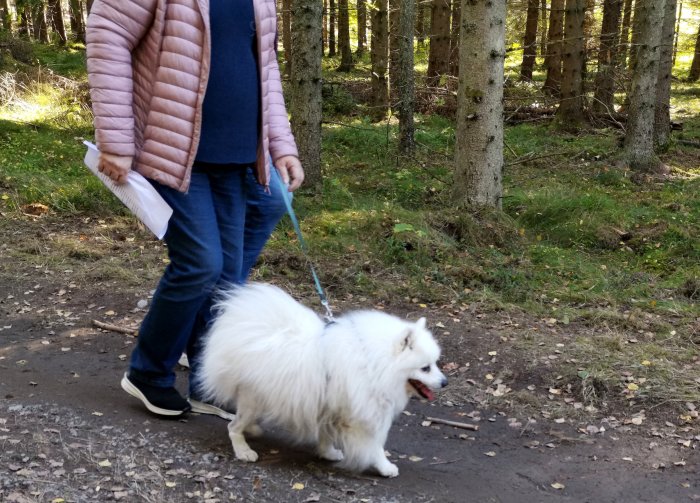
(419, 352)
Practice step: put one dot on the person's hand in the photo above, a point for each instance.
(291, 171)
(116, 167)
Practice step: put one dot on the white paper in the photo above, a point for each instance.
(137, 194)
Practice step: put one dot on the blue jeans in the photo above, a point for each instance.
(214, 237)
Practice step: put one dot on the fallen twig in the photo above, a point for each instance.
(115, 328)
(456, 424)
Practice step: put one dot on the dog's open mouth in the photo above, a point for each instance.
(421, 389)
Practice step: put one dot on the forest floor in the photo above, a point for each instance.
(69, 433)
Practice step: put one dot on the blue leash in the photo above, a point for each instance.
(295, 222)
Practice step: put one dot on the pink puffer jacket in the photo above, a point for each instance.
(148, 65)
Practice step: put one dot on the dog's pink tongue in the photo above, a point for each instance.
(422, 389)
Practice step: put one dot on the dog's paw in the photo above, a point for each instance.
(330, 453)
(388, 469)
(246, 454)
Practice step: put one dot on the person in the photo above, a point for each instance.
(189, 94)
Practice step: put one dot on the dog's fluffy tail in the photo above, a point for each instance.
(260, 322)
(265, 308)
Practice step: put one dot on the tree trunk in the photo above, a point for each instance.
(543, 29)
(552, 84)
(625, 34)
(344, 37)
(694, 73)
(406, 82)
(305, 88)
(454, 38)
(331, 28)
(361, 27)
(40, 29)
(662, 121)
(77, 25)
(677, 31)
(287, 35)
(420, 21)
(6, 15)
(530, 40)
(570, 113)
(380, 58)
(639, 137)
(439, 41)
(394, 11)
(479, 130)
(23, 16)
(324, 28)
(604, 98)
(56, 17)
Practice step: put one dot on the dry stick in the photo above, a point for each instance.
(115, 328)
(532, 158)
(456, 424)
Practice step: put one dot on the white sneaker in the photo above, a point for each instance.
(207, 408)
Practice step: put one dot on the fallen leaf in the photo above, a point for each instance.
(105, 463)
(558, 485)
(298, 486)
(415, 459)
(490, 454)
(169, 483)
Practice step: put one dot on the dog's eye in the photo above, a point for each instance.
(426, 368)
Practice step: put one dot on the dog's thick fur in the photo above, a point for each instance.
(338, 386)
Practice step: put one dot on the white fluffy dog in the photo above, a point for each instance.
(338, 385)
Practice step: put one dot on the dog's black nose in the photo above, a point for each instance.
(443, 383)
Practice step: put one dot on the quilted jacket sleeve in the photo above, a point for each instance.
(114, 29)
(280, 133)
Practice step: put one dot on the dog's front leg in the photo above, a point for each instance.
(385, 467)
(240, 446)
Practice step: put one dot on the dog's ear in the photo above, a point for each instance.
(407, 338)
(421, 324)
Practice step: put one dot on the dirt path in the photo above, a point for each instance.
(68, 432)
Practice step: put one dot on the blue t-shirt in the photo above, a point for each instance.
(231, 107)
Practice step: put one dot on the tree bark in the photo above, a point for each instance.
(346, 63)
(380, 59)
(77, 25)
(361, 27)
(662, 117)
(694, 73)
(625, 34)
(420, 21)
(570, 113)
(639, 137)
(324, 28)
(406, 82)
(530, 40)
(604, 98)
(479, 130)
(56, 17)
(677, 31)
(287, 35)
(454, 38)
(305, 88)
(552, 84)
(439, 54)
(543, 29)
(394, 10)
(39, 27)
(331, 28)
